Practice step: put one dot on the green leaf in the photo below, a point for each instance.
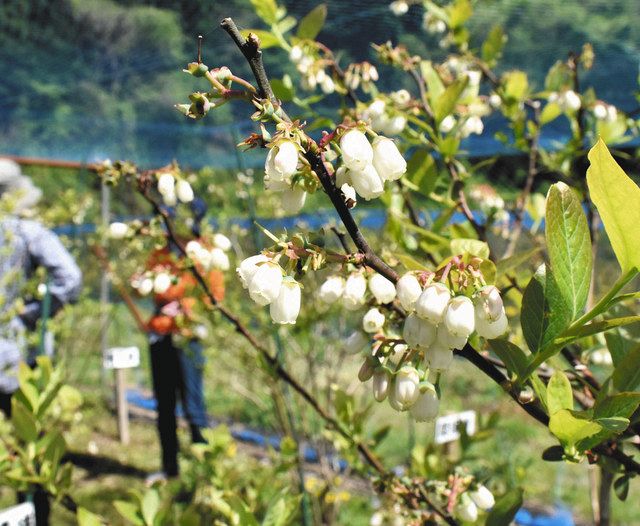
(544, 315)
(570, 429)
(55, 449)
(435, 86)
(283, 89)
(422, 171)
(550, 112)
(617, 198)
(150, 505)
(473, 247)
(312, 23)
(626, 376)
(505, 265)
(559, 393)
(516, 85)
(615, 423)
(505, 508)
(621, 487)
(129, 511)
(618, 405)
(596, 327)
(446, 103)
(410, 263)
(267, 38)
(459, 12)
(86, 518)
(511, 355)
(569, 246)
(267, 10)
(493, 45)
(23, 422)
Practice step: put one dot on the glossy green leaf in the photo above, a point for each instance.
(422, 171)
(493, 45)
(86, 518)
(505, 508)
(267, 10)
(511, 355)
(569, 246)
(267, 38)
(312, 23)
(283, 88)
(559, 393)
(446, 103)
(570, 429)
(129, 511)
(618, 405)
(617, 198)
(505, 265)
(626, 376)
(150, 505)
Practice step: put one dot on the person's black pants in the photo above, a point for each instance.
(168, 373)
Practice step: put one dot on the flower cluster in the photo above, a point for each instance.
(366, 166)
(210, 258)
(382, 117)
(568, 100)
(157, 282)
(361, 74)
(279, 168)
(605, 112)
(267, 285)
(173, 190)
(478, 498)
(312, 69)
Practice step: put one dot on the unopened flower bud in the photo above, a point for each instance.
(367, 368)
(447, 124)
(170, 198)
(222, 242)
(166, 183)
(399, 7)
(408, 289)
(570, 100)
(433, 301)
(373, 321)
(467, 509)
(491, 329)
(118, 230)
(472, 125)
(264, 286)
(381, 383)
(327, 85)
(426, 407)
(387, 159)
(184, 192)
(395, 125)
(460, 316)
(161, 283)
(417, 332)
(296, 54)
(406, 387)
(355, 342)
(383, 290)
(488, 303)
(526, 395)
(367, 182)
(354, 290)
(357, 153)
(218, 259)
(482, 498)
(286, 307)
(331, 289)
(249, 267)
(145, 287)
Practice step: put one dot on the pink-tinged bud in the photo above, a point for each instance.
(331, 289)
(383, 290)
(367, 369)
(492, 329)
(354, 290)
(387, 159)
(432, 303)
(426, 407)
(184, 192)
(439, 358)
(367, 182)
(373, 321)
(406, 388)
(460, 316)
(355, 342)
(418, 333)
(408, 289)
(381, 383)
(488, 303)
(286, 307)
(483, 498)
(357, 153)
(249, 267)
(264, 286)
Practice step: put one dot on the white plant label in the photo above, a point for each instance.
(121, 358)
(21, 515)
(447, 426)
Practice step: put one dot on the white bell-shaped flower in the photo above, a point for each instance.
(367, 182)
(296, 54)
(433, 302)
(467, 509)
(460, 316)
(248, 267)
(488, 303)
(397, 352)
(331, 289)
(282, 160)
(166, 183)
(170, 198)
(399, 7)
(355, 342)
(492, 329)
(222, 242)
(192, 248)
(600, 111)
(373, 321)
(381, 383)
(387, 159)
(408, 289)
(161, 283)
(184, 192)
(439, 358)
(118, 230)
(349, 195)
(145, 286)
(482, 497)
(354, 291)
(417, 332)
(286, 307)
(383, 290)
(448, 340)
(357, 153)
(570, 101)
(264, 286)
(327, 85)
(426, 407)
(219, 260)
(395, 125)
(447, 124)
(472, 125)
(343, 176)
(406, 388)
(293, 200)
